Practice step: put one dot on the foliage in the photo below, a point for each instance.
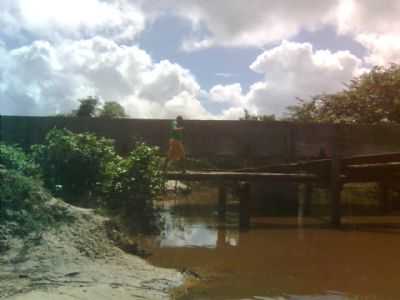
(371, 98)
(79, 166)
(24, 204)
(88, 107)
(112, 110)
(14, 158)
(74, 164)
(250, 117)
(137, 181)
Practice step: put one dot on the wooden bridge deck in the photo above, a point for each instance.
(242, 176)
(331, 173)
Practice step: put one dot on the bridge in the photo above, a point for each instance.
(331, 173)
(283, 151)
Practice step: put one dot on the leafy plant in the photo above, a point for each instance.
(88, 107)
(112, 110)
(24, 204)
(137, 181)
(373, 97)
(252, 117)
(13, 157)
(74, 164)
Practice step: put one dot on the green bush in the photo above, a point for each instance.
(24, 204)
(136, 181)
(74, 165)
(14, 158)
(85, 167)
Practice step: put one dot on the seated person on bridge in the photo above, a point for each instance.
(176, 150)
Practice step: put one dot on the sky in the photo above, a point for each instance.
(203, 59)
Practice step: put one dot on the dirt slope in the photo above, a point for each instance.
(78, 261)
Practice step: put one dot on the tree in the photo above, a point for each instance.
(112, 110)
(248, 116)
(88, 107)
(371, 98)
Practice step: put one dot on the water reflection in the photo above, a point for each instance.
(269, 262)
(178, 233)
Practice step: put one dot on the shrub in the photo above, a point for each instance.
(74, 164)
(137, 180)
(24, 204)
(14, 158)
(81, 166)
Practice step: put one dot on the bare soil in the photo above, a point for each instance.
(78, 260)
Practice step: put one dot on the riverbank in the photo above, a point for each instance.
(78, 260)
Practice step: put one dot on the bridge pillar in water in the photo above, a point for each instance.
(335, 182)
(244, 204)
(384, 197)
(304, 197)
(308, 191)
(221, 200)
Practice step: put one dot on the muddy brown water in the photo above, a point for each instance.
(278, 258)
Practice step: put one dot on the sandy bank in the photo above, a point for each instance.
(78, 261)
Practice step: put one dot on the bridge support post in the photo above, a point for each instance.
(308, 199)
(384, 197)
(304, 196)
(221, 201)
(245, 200)
(335, 183)
(221, 237)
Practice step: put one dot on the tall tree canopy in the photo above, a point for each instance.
(88, 107)
(250, 117)
(112, 110)
(373, 97)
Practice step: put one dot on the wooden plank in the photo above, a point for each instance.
(386, 167)
(236, 176)
(372, 172)
(311, 166)
(373, 158)
(323, 165)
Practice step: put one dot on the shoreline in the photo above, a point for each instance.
(79, 261)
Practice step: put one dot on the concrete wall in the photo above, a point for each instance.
(270, 141)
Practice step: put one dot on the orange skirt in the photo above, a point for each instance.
(176, 150)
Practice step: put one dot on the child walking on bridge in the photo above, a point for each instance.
(176, 150)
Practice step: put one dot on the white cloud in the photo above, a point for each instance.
(46, 78)
(375, 24)
(291, 70)
(258, 23)
(166, 80)
(383, 49)
(186, 105)
(232, 113)
(55, 19)
(231, 93)
(368, 16)
(76, 48)
(251, 23)
(33, 81)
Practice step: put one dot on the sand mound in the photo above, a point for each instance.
(79, 261)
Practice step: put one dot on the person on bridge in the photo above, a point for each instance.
(176, 150)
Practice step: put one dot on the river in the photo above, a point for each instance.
(278, 258)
